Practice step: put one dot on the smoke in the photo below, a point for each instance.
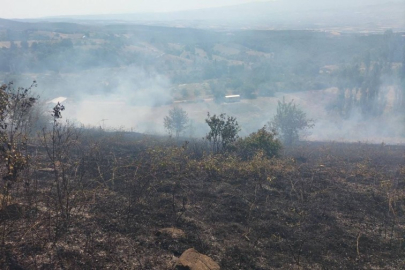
(137, 99)
(128, 98)
(389, 127)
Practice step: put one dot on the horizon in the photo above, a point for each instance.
(40, 9)
(24, 9)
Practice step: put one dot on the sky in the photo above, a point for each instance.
(19, 9)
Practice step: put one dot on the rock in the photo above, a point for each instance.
(192, 260)
(172, 232)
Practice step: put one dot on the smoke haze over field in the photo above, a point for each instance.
(139, 100)
(131, 104)
(120, 113)
(387, 128)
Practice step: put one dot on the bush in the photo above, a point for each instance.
(262, 140)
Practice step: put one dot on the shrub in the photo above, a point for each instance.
(262, 140)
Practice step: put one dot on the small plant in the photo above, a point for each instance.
(223, 131)
(290, 121)
(176, 121)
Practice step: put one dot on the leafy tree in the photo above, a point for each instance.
(289, 121)
(176, 121)
(223, 131)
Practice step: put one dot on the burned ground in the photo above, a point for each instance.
(318, 206)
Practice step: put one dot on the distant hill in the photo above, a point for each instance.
(287, 14)
(10, 24)
(43, 25)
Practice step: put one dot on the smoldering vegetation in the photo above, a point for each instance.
(95, 182)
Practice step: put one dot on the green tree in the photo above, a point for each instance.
(176, 121)
(223, 131)
(290, 121)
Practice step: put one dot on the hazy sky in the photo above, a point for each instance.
(42, 8)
